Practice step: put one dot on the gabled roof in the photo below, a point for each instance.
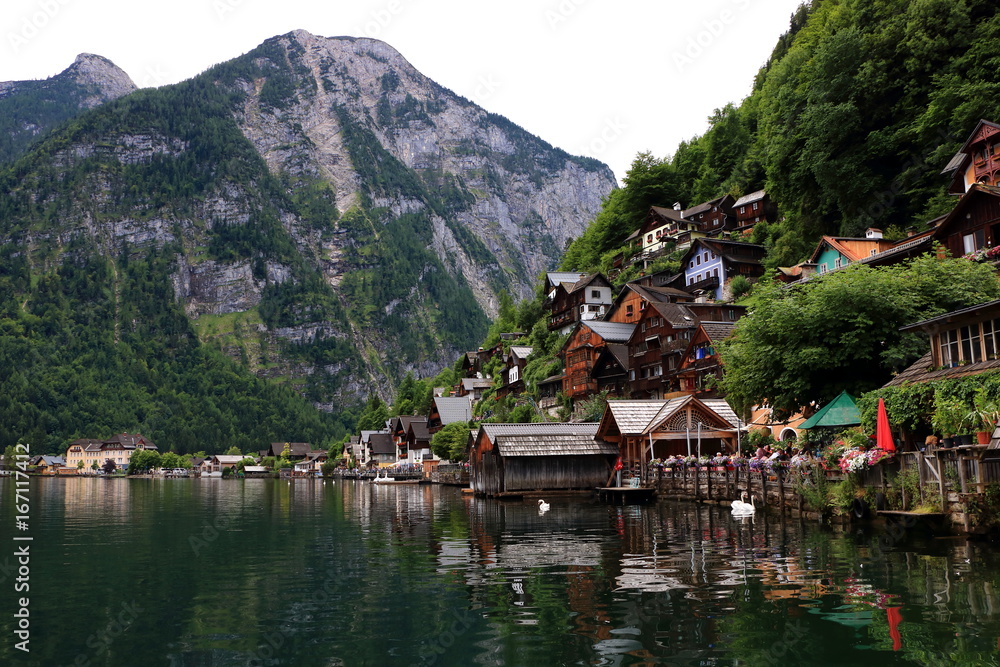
(839, 243)
(723, 418)
(520, 351)
(731, 251)
(750, 198)
(454, 409)
(401, 424)
(130, 441)
(366, 435)
(718, 330)
(227, 459)
(977, 191)
(476, 383)
(678, 315)
(668, 213)
(611, 332)
(294, 448)
(632, 417)
(546, 439)
(588, 280)
(555, 278)
(382, 443)
(418, 432)
(944, 317)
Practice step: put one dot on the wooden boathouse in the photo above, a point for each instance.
(509, 460)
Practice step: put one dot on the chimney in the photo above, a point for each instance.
(911, 232)
(873, 234)
(677, 206)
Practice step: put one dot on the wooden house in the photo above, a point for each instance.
(587, 299)
(655, 347)
(710, 265)
(635, 296)
(50, 465)
(700, 366)
(610, 370)
(473, 387)
(297, 451)
(514, 459)
(978, 161)
(548, 392)
(513, 370)
(713, 217)
(751, 209)
(471, 365)
(580, 352)
(974, 224)
(685, 425)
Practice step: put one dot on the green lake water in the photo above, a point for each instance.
(212, 573)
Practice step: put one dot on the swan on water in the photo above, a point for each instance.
(743, 507)
(542, 506)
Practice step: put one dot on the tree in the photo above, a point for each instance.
(451, 441)
(804, 345)
(170, 460)
(143, 460)
(109, 467)
(234, 451)
(374, 416)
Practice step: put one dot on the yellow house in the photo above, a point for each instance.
(118, 448)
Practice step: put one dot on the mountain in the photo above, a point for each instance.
(31, 109)
(321, 212)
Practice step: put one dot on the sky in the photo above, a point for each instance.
(608, 79)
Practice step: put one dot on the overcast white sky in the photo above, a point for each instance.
(603, 78)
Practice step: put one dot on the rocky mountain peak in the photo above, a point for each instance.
(107, 80)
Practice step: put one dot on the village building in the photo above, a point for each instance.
(513, 370)
(701, 367)
(383, 450)
(418, 443)
(399, 428)
(50, 465)
(977, 161)
(630, 303)
(474, 387)
(118, 449)
(568, 303)
(471, 365)
(751, 209)
(835, 252)
(580, 353)
(710, 265)
(548, 392)
(649, 429)
(713, 216)
(973, 226)
(296, 450)
(515, 459)
(610, 370)
(214, 465)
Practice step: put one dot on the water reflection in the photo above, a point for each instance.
(305, 573)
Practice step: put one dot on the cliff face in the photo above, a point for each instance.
(334, 217)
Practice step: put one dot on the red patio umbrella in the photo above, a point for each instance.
(883, 434)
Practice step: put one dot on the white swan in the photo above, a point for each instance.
(743, 507)
(542, 506)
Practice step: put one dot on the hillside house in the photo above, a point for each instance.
(610, 371)
(514, 459)
(667, 229)
(978, 161)
(655, 348)
(710, 265)
(834, 252)
(974, 224)
(751, 209)
(587, 299)
(513, 370)
(713, 216)
(418, 443)
(399, 428)
(634, 297)
(580, 353)
(700, 366)
(474, 387)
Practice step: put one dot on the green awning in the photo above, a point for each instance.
(841, 411)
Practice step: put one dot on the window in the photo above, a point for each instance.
(755, 206)
(991, 338)
(697, 260)
(949, 348)
(837, 263)
(716, 272)
(743, 209)
(595, 294)
(649, 238)
(705, 256)
(628, 310)
(873, 252)
(971, 350)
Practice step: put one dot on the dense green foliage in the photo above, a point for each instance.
(98, 347)
(808, 343)
(849, 124)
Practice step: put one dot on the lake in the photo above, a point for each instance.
(212, 573)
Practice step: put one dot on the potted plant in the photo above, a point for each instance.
(949, 413)
(983, 417)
